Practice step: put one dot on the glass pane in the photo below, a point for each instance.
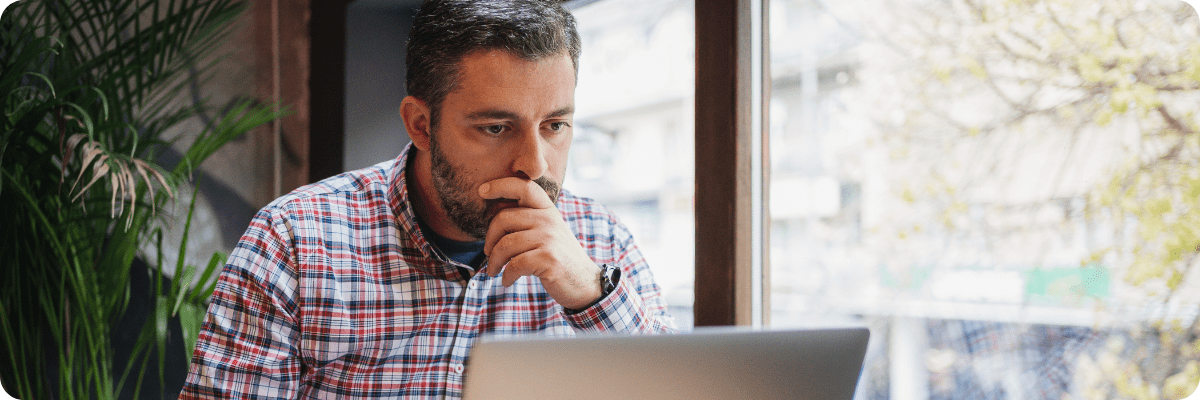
(633, 149)
(1005, 191)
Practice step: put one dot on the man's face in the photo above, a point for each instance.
(508, 117)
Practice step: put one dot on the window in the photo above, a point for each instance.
(1005, 192)
(633, 149)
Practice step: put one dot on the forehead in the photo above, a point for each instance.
(497, 79)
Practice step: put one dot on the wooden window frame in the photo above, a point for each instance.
(300, 50)
(726, 148)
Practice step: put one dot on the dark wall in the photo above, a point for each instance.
(376, 33)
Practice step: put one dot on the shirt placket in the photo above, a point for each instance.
(474, 302)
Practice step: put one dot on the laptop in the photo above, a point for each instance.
(822, 364)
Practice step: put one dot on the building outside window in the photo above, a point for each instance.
(633, 147)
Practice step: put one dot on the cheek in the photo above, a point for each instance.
(483, 168)
(558, 146)
(557, 158)
(472, 171)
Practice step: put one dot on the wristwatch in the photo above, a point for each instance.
(610, 276)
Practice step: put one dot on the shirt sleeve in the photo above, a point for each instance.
(247, 346)
(635, 306)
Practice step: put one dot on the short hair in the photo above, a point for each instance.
(446, 31)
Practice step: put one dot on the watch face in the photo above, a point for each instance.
(609, 281)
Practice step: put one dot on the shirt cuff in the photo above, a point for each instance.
(619, 311)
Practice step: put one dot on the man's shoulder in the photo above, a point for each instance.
(357, 185)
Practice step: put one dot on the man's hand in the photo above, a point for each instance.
(531, 236)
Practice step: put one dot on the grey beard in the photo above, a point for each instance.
(456, 195)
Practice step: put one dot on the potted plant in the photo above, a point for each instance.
(89, 89)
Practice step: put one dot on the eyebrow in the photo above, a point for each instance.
(492, 114)
(562, 112)
(503, 114)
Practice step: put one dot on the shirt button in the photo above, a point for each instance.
(472, 285)
(458, 368)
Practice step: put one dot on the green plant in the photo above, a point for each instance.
(89, 91)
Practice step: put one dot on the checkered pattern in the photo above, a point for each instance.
(333, 292)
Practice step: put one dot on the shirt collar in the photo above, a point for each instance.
(430, 260)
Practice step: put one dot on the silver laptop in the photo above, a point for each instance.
(720, 364)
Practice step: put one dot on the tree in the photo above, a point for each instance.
(1051, 129)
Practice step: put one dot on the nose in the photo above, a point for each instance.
(530, 162)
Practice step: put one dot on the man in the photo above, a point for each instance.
(376, 282)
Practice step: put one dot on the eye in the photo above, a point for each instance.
(558, 126)
(494, 130)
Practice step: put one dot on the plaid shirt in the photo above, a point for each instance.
(333, 292)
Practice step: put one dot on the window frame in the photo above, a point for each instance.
(732, 164)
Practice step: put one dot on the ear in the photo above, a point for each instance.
(417, 118)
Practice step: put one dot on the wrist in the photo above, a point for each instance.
(607, 278)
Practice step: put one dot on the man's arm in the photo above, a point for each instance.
(636, 306)
(533, 238)
(248, 343)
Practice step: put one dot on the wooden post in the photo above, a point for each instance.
(723, 163)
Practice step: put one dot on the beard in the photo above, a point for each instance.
(459, 197)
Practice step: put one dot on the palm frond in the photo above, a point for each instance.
(88, 90)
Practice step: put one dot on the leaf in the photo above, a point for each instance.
(90, 152)
(103, 102)
(83, 117)
(116, 188)
(99, 172)
(1120, 101)
(204, 288)
(942, 72)
(142, 171)
(131, 189)
(161, 180)
(1175, 279)
(70, 149)
(1159, 206)
(1089, 68)
(187, 226)
(191, 318)
(974, 67)
(182, 282)
(161, 323)
(44, 79)
(1104, 117)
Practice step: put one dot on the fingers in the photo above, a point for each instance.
(512, 245)
(527, 193)
(529, 263)
(507, 222)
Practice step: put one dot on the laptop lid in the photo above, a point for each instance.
(719, 364)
